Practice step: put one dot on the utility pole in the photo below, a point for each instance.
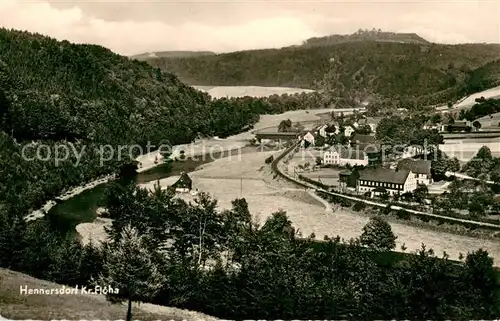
(241, 186)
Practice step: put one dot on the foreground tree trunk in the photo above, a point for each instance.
(129, 310)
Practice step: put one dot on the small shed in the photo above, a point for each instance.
(184, 184)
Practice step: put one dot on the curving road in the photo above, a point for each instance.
(276, 169)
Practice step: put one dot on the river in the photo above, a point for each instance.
(81, 208)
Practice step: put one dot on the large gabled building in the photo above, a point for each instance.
(380, 179)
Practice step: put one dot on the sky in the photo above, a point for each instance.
(137, 26)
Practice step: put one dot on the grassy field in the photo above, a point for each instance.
(471, 100)
(465, 149)
(327, 176)
(15, 306)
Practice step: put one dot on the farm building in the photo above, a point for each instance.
(421, 168)
(458, 126)
(184, 184)
(348, 179)
(393, 182)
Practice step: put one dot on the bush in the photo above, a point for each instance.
(402, 214)
(359, 206)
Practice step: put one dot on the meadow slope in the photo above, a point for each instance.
(79, 306)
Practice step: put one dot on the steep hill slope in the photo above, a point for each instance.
(388, 69)
(14, 305)
(85, 98)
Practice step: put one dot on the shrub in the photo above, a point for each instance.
(359, 206)
(402, 214)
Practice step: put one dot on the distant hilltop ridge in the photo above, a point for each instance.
(171, 54)
(365, 35)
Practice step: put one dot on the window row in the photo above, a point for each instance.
(380, 184)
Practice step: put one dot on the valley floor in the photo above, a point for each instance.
(228, 179)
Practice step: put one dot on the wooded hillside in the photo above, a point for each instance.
(387, 69)
(55, 92)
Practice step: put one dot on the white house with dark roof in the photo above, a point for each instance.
(419, 167)
(349, 130)
(394, 182)
(343, 156)
(309, 137)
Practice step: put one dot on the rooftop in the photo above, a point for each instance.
(364, 139)
(384, 175)
(457, 124)
(418, 166)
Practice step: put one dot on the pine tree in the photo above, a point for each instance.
(130, 267)
(378, 235)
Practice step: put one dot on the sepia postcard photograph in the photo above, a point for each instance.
(211, 160)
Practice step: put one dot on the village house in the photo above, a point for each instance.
(309, 137)
(364, 122)
(419, 167)
(322, 131)
(349, 130)
(410, 151)
(345, 156)
(184, 184)
(380, 180)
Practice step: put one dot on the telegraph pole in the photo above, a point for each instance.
(241, 186)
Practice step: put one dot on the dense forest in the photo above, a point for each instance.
(165, 251)
(424, 73)
(85, 96)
